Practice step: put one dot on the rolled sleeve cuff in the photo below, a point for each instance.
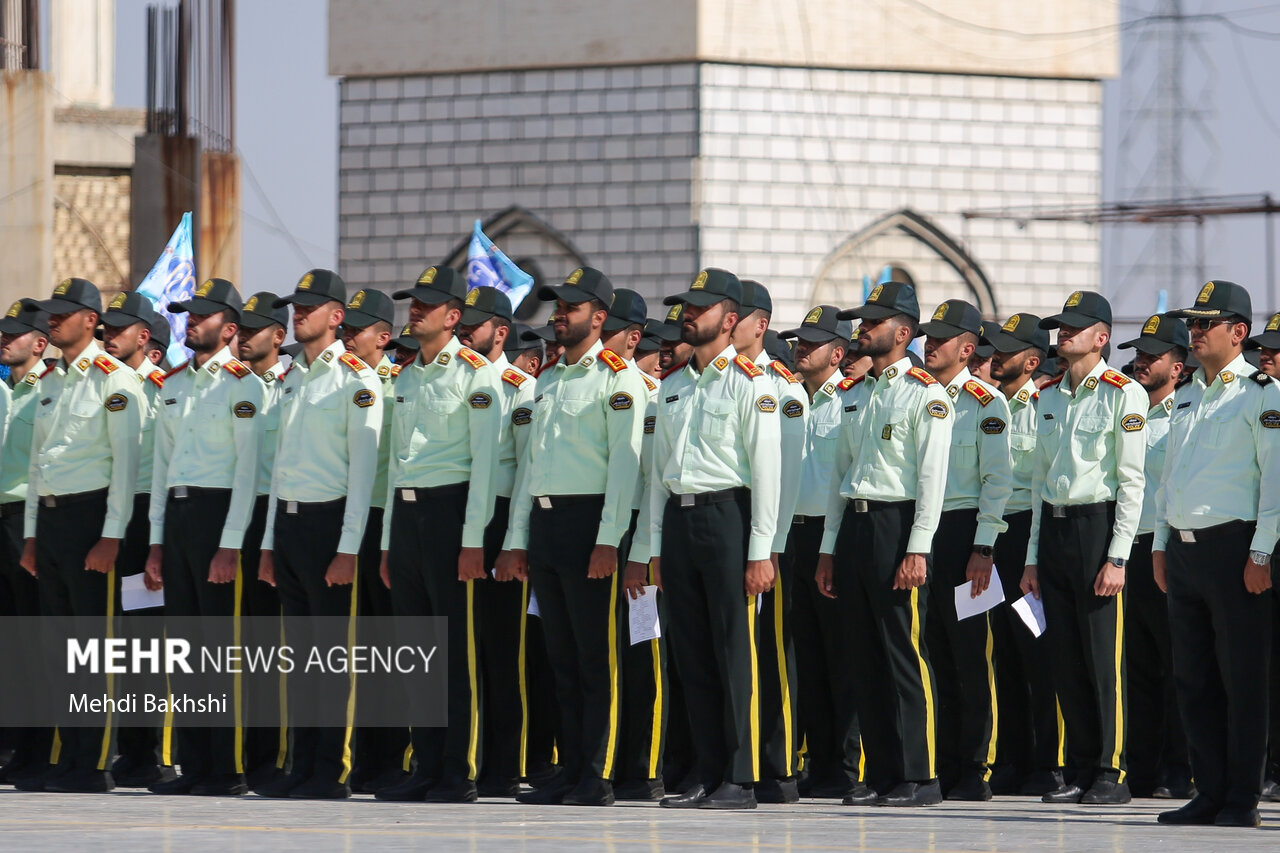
(987, 534)
(920, 541)
(760, 547)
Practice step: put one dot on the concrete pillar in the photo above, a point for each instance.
(166, 181)
(26, 184)
(83, 44)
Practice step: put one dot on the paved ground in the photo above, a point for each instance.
(139, 822)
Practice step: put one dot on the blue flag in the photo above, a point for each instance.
(173, 279)
(487, 266)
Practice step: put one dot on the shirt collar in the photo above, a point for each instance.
(1162, 408)
(447, 354)
(894, 371)
(146, 370)
(83, 361)
(830, 384)
(501, 362)
(1024, 395)
(1237, 368)
(1090, 381)
(588, 358)
(957, 382)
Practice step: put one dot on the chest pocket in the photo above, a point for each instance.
(1225, 427)
(964, 444)
(81, 414)
(443, 418)
(891, 434)
(716, 420)
(212, 421)
(1022, 447)
(1090, 437)
(573, 417)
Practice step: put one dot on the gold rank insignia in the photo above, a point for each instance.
(83, 364)
(574, 277)
(358, 300)
(1074, 299)
(941, 312)
(352, 362)
(61, 289)
(513, 377)
(720, 363)
(1205, 293)
(157, 378)
(428, 276)
(1153, 323)
(1227, 377)
(443, 358)
(327, 357)
(473, 359)
(700, 282)
(395, 370)
(472, 295)
(586, 361)
(117, 302)
(875, 293)
(781, 369)
(1272, 325)
(252, 304)
(203, 290)
(674, 313)
(1112, 377)
(236, 369)
(1091, 383)
(384, 370)
(1011, 323)
(979, 392)
(813, 316)
(921, 375)
(15, 309)
(1024, 395)
(304, 283)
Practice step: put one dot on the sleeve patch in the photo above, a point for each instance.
(765, 403)
(480, 401)
(993, 426)
(1132, 423)
(1270, 419)
(116, 402)
(750, 368)
(937, 409)
(244, 409)
(364, 398)
(649, 423)
(522, 416)
(793, 409)
(619, 402)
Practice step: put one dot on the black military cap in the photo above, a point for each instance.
(755, 297)
(778, 349)
(73, 294)
(886, 300)
(581, 285)
(670, 330)
(648, 343)
(161, 334)
(24, 316)
(1160, 334)
(628, 308)
(1270, 337)
(481, 303)
(436, 286)
(260, 312)
(983, 349)
(712, 285)
(368, 307)
(292, 349)
(951, 318)
(517, 343)
(1019, 332)
(1219, 298)
(216, 294)
(541, 333)
(820, 325)
(127, 308)
(1081, 310)
(316, 288)
(406, 340)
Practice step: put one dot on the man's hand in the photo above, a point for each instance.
(154, 579)
(759, 577)
(1158, 570)
(912, 572)
(634, 579)
(384, 571)
(603, 562)
(1030, 581)
(513, 565)
(223, 567)
(102, 556)
(1109, 581)
(823, 575)
(1257, 577)
(471, 564)
(342, 570)
(979, 572)
(28, 560)
(267, 568)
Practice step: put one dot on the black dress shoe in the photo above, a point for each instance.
(690, 799)
(1064, 794)
(81, 782)
(26, 772)
(452, 791)
(38, 781)
(221, 785)
(829, 789)
(1271, 791)
(143, 776)
(385, 779)
(861, 795)
(912, 794)
(1040, 782)
(1106, 793)
(491, 787)
(640, 789)
(263, 775)
(280, 787)
(970, 789)
(777, 791)
(1199, 812)
(729, 797)
(1003, 780)
(411, 790)
(1238, 816)
(547, 795)
(177, 786)
(1174, 791)
(317, 788)
(543, 775)
(590, 792)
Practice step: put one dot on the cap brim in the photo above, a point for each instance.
(119, 320)
(984, 351)
(668, 334)
(1002, 341)
(539, 334)
(61, 306)
(257, 321)
(403, 342)
(1270, 340)
(809, 335)
(475, 316)
(698, 298)
(648, 344)
(14, 326)
(870, 312)
(197, 306)
(613, 324)
(360, 319)
(567, 292)
(425, 295)
(1148, 345)
(1074, 319)
(941, 331)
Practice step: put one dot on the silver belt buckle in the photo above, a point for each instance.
(291, 507)
(1187, 536)
(544, 501)
(859, 505)
(686, 500)
(49, 501)
(409, 495)
(179, 492)
(1058, 511)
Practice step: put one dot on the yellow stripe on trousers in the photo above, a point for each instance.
(655, 734)
(1062, 734)
(237, 744)
(783, 684)
(104, 755)
(926, 684)
(995, 706)
(473, 735)
(754, 699)
(351, 689)
(524, 681)
(1118, 746)
(611, 744)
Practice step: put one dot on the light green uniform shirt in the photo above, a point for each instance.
(588, 425)
(152, 379)
(644, 481)
(894, 443)
(86, 436)
(208, 434)
(822, 431)
(386, 379)
(445, 429)
(793, 402)
(718, 429)
(1222, 460)
(1153, 469)
(1090, 447)
(269, 415)
(15, 455)
(1022, 446)
(330, 418)
(517, 393)
(979, 469)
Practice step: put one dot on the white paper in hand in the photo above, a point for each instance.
(134, 594)
(966, 606)
(642, 616)
(1031, 609)
(533, 605)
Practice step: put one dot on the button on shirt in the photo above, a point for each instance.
(1090, 446)
(979, 470)
(894, 442)
(1022, 446)
(822, 431)
(208, 434)
(15, 454)
(152, 379)
(269, 417)
(1222, 461)
(517, 394)
(327, 449)
(86, 436)
(1153, 469)
(793, 406)
(446, 422)
(718, 429)
(588, 422)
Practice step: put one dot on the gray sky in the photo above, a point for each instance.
(286, 126)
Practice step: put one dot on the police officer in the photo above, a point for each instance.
(24, 336)
(1217, 521)
(714, 502)
(826, 718)
(979, 483)
(1086, 497)
(523, 353)
(443, 473)
(82, 476)
(1029, 740)
(673, 350)
(326, 459)
(406, 347)
(1157, 752)
(881, 517)
(780, 742)
(648, 351)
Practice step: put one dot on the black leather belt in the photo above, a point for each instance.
(558, 501)
(706, 498)
(858, 505)
(1075, 510)
(75, 498)
(181, 493)
(809, 519)
(409, 494)
(298, 507)
(1208, 534)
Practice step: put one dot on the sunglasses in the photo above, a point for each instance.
(1204, 325)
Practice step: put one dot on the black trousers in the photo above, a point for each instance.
(1086, 642)
(1028, 734)
(779, 732)
(426, 539)
(64, 536)
(827, 716)
(306, 542)
(1221, 651)
(714, 634)
(263, 746)
(192, 530)
(645, 686)
(504, 613)
(896, 695)
(20, 596)
(1273, 748)
(1157, 749)
(580, 624)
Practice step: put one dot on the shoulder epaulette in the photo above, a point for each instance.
(616, 362)
(471, 358)
(747, 366)
(513, 377)
(1261, 378)
(157, 377)
(48, 370)
(981, 394)
(1117, 379)
(353, 362)
(673, 368)
(848, 382)
(236, 369)
(921, 375)
(781, 369)
(395, 370)
(105, 364)
(649, 383)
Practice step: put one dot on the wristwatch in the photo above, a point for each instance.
(1262, 558)
(1118, 563)
(983, 550)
